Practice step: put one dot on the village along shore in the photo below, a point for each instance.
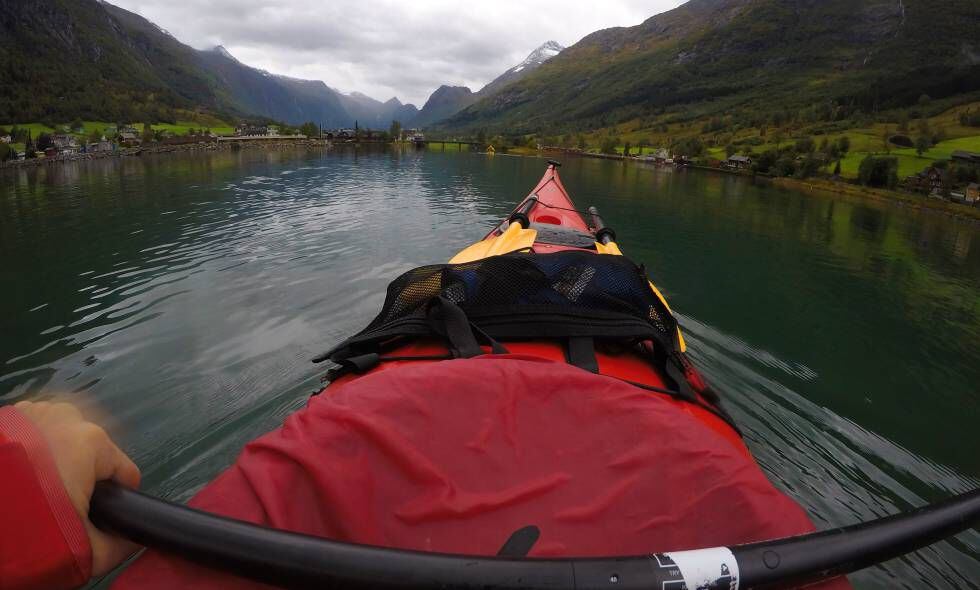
(214, 144)
(834, 187)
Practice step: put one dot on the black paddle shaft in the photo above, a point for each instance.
(298, 561)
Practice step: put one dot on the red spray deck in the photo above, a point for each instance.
(455, 456)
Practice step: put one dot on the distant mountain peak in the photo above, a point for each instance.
(546, 51)
(449, 89)
(543, 53)
(220, 50)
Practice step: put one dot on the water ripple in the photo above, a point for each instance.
(184, 298)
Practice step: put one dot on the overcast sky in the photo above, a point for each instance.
(387, 48)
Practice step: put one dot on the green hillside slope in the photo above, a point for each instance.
(62, 59)
(741, 58)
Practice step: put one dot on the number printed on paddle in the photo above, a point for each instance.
(703, 569)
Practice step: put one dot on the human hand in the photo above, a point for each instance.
(84, 454)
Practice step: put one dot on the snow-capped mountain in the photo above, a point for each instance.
(446, 101)
(531, 63)
(537, 57)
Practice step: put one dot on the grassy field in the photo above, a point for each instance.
(864, 140)
(179, 128)
(909, 162)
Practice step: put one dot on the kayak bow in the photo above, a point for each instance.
(544, 223)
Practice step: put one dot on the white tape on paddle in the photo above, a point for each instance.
(704, 569)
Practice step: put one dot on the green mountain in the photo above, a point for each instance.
(61, 59)
(375, 114)
(291, 100)
(746, 59)
(446, 101)
(88, 59)
(443, 103)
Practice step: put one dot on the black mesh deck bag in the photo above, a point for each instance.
(579, 298)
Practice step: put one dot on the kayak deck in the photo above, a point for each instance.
(546, 222)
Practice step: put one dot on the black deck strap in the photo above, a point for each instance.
(580, 351)
(673, 375)
(420, 357)
(520, 543)
(449, 320)
(495, 346)
(359, 364)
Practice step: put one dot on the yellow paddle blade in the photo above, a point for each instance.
(610, 248)
(516, 238)
(613, 249)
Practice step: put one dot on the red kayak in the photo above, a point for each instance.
(554, 224)
(531, 398)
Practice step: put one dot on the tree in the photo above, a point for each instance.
(309, 129)
(903, 122)
(481, 135)
(844, 145)
(6, 152)
(395, 131)
(805, 145)
(765, 161)
(777, 137)
(730, 150)
(608, 145)
(690, 147)
(77, 125)
(886, 142)
(581, 143)
(147, 132)
(44, 142)
(922, 144)
(837, 169)
(878, 172)
(808, 167)
(626, 149)
(785, 166)
(29, 148)
(923, 127)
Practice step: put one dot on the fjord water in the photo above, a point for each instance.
(181, 298)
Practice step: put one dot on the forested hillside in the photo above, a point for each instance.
(747, 59)
(65, 59)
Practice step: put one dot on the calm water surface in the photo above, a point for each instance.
(182, 296)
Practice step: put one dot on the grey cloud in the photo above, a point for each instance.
(387, 48)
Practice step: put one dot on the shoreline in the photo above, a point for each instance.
(827, 186)
(900, 199)
(210, 146)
